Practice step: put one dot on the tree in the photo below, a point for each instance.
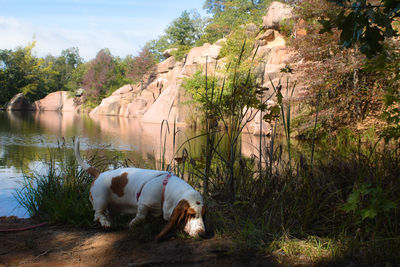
(227, 15)
(158, 46)
(139, 65)
(104, 75)
(22, 72)
(64, 67)
(184, 30)
(182, 33)
(363, 22)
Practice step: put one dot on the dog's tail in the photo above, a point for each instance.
(92, 171)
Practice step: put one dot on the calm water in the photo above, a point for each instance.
(26, 137)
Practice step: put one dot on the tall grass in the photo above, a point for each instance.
(350, 199)
(59, 191)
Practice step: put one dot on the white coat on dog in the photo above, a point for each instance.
(142, 192)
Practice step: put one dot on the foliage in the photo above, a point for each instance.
(240, 41)
(22, 72)
(228, 15)
(66, 65)
(349, 89)
(182, 33)
(387, 65)
(139, 65)
(364, 22)
(184, 30)
(104, 75)
(158, 46)
(196, 86)
(367, 202)
(181, 52)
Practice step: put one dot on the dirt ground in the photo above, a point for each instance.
(53, 245)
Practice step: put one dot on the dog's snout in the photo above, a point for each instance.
(201, 233)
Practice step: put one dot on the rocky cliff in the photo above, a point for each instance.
(160, 96)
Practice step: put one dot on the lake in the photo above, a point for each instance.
(26, 137)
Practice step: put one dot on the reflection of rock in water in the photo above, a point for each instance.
(125, 134)
(251, 144)
(139, 136)
(56, 122)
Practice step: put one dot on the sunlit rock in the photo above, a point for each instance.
(276, 13)
(52, 102)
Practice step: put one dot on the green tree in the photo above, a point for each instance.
(158, 46)
(227, 15)
(22, 72)
(184, 30)
(64, 66)
(182, 33)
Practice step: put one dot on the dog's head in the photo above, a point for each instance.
(187, 214)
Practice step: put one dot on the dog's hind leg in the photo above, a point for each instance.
(100, 208)
(140, 215)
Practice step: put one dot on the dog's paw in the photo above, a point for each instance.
(105, 223)
(131, 225)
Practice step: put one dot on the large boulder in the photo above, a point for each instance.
(52, 102)
(19, 102)
(70, 105)
(165, 106)
(123, 90)
(276, 13)
(168, 52)
(166, 65)
(264, 38)
(198, 56)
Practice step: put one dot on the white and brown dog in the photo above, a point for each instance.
(141, 192)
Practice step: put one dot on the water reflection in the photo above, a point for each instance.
(26, 137)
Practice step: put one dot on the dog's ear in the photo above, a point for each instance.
(203, 210)
(177, 215)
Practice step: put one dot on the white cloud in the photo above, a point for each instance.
(90, 34)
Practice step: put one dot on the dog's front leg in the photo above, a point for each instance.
(140, 215)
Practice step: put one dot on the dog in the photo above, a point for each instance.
(143, 192)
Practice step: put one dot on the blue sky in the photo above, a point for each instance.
(123, 26)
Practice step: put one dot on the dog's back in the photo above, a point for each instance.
(121, 188)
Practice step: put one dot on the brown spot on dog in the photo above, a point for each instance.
(93, 172)
(198, 202)
(118, 183)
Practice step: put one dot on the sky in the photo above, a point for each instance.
(123, 26)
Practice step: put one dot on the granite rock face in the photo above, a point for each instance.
(160, 95)
(276, 13)
(53, 102)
